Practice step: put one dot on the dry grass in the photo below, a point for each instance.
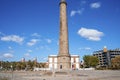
(4, 78)
(61, 73)
(48, 73)
(94, 79)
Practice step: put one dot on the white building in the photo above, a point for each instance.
(23, 60)
(52, 62)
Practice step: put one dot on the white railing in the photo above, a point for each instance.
(41, 69)
(86, 69)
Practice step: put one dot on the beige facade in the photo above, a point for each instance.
(53, 62)
(75, 62)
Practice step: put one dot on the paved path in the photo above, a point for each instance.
(71, 75)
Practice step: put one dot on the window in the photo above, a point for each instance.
(60, 66)
(50, 59)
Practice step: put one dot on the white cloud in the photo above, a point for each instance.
(27, 55)
(74, 12)
(95, 5)
(32, 42)
(47, 48)
(8, 55)
(90, 34)
(39, 48)
(13, 38)
(48, 40)
(29, 51)
(45, 58)
(83, 2)
(1, 34)
(86, 48)
(9, 47)
(35, 34)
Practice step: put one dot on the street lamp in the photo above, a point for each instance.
(12, 71)
(1, 65)
(1, 68)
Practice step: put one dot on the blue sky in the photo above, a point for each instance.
(30, 28)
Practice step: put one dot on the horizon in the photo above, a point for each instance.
(30, 29)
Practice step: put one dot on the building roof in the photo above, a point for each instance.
(56, 55)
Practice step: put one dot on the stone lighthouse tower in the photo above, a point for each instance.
(63, 56)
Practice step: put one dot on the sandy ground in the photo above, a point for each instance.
(69, 75)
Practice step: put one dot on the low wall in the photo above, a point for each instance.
(41, 69)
